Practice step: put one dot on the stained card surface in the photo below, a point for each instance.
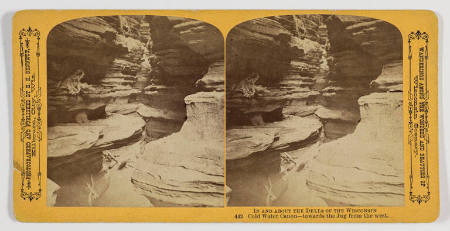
(225, 116)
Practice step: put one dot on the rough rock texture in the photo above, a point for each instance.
(168, 100)
(311, 67)
(66, 140)
(303, 26)
(186, 168)
(285, 63)
(213, 80)
(337, 122)
(350, 60)
(76, 160)
(134, 58)
(116, 83)
(109, 51)
(74, 149)
(244, 142)
(391, 78)
(194, 46)
(272, 67)
(372, 156)
(257, 46)
(150, 112)
(191, 61)
(201, 37)
(253, 157)
(121, 191)
(86, 43)
(377, 37)
(359, 48)
(282, 135)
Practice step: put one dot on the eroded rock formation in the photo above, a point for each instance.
(313, 69)
(75, 156)
(253, 157)
(186, 168)
(364, 168)
(193, 46)
(126, 94)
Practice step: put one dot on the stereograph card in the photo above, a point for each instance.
(225, 116)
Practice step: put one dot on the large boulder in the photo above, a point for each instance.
(76, 158)
(186, 168)
(372, 156)
(77, 148)
(290, 133)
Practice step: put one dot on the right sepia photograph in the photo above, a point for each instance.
(314, 112)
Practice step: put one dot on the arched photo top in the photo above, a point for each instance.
(145, 88)
(312, 101)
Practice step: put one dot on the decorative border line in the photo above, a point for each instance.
(418, 108)
(31, 121)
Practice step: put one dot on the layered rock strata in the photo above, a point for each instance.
(194, 46)
(116, 83)
(186, 168)
(366, 167)
(253, 157)
(329, 64)
(75, 155)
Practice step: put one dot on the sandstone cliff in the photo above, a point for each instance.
(315, 70)
(366, 167)
(129, 96)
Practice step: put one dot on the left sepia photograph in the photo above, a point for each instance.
(135, 113)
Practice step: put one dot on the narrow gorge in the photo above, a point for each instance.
(314, 112)
(135, 112)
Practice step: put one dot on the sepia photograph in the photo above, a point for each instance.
(225, 116)
(135, 113)
(314, 112)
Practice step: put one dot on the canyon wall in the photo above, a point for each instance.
(300, 80)
(135, 111)
(123, 90)
(364, 168)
